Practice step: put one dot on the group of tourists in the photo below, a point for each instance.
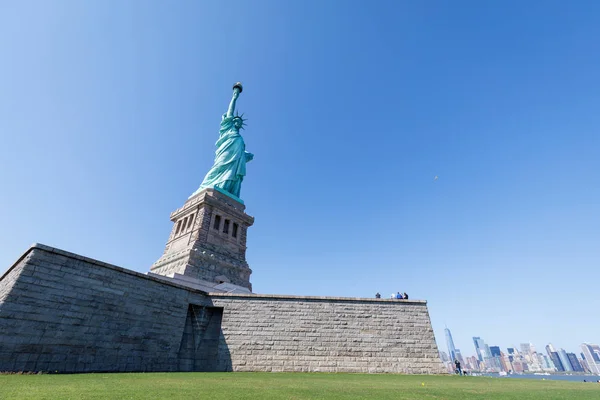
(402, 296)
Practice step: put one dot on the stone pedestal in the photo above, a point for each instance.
(208, 241)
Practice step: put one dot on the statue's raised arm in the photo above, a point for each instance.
(237, 89)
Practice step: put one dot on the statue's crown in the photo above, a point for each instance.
(241, 118)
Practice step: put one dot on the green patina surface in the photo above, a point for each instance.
(229, 167)
(271, 386)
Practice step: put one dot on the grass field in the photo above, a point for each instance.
(267, 386)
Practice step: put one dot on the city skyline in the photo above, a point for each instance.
(466, 344)
(524, 358)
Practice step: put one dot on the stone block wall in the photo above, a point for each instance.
(292, 333)
(63, 312)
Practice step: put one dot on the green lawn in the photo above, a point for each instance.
(266, 386)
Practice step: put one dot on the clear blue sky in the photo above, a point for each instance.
(109, 111)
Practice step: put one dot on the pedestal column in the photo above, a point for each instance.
(208, 241)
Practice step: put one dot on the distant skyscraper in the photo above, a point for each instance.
(473, 363)
(443, 356)
(494, 364)
(585, 366)
(556, 361)
(564, 359)
(591, 353)
(545, 362)
(459, 357)
(553, 354)
(574, 362)
(485, 351)
(478, 345)
(506, 363)
(482, 349)
(495, 350)
(519, 366)
(511, 350)
(450, 345)
(526, 348)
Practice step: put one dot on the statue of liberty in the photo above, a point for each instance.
(229, 168)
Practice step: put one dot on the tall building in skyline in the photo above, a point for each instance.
(556, 361)
(495, 351)
(553, 355)
(527, 348)
(545, 362)
(443, 356)
(591, 353)
(450, 344)
(473, 363)
(519, 366)
(585, 366)
(459, 356)
(485, 351)
(478, 344)
(562, 354)
(506, 363)
(574, 362)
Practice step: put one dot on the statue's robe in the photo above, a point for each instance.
(229, 168)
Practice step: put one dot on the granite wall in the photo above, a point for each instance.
(63, 312)
(292, 333)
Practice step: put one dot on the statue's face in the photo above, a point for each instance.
(237, 122)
